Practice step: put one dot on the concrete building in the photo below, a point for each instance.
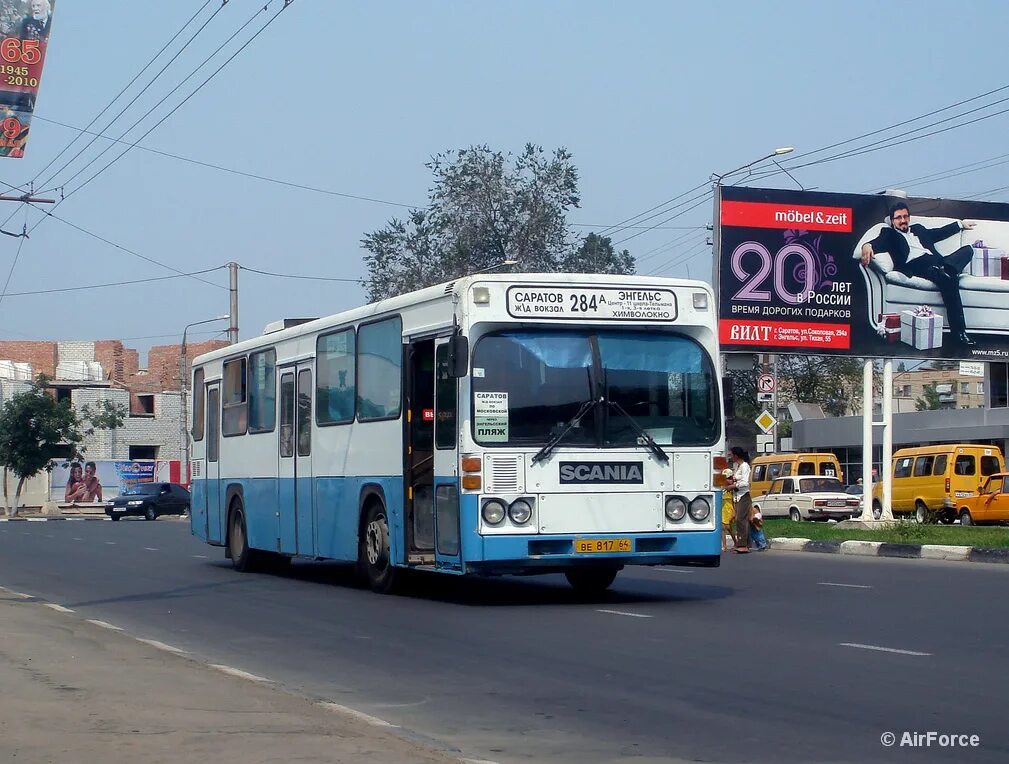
(964, 423)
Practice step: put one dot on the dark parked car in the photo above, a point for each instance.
(150, 500)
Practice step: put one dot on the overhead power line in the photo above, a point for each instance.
(114, 283)
(17, 256)
(119, 95)
(231, 170)
(293, 276)
(172, 92)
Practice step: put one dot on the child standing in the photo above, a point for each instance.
(757, 531)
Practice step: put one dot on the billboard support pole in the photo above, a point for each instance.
(885, 468)
(867, 441)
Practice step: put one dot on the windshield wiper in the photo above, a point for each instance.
(585, 408)
(643, 435)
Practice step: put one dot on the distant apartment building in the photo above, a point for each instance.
(90, 372)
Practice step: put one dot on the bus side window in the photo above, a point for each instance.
(964, 465)
(287, 415)
(940, 465)
(807, 468)
(773, 470)
(827, 469)
(199, 405)
(903, 467)
(758, 472)
(335, 377)
(234, 398)
(263, 391)
(786, 468)
(380, 361)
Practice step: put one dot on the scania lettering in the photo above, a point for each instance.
(495, 425)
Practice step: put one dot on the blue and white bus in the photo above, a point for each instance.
(497, 424)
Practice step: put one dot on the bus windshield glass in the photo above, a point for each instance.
(529, 385)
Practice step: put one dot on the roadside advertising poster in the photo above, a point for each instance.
(852, 274)
(89, 482)
(24, 37)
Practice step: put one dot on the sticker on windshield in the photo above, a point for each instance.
(601, 304)
(478, 372)
(490, 417)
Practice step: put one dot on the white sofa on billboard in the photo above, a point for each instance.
(985, 298)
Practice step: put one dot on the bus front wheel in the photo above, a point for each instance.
(591, 580)
(374, 553)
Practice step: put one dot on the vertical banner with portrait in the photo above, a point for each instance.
(851, 274)
(24, 37)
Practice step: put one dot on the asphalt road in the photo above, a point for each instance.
(755, 661)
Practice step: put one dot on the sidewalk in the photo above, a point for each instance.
(76, 693)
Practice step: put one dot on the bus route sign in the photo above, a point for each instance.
(586, 304)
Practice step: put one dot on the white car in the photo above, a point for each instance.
(811, 497)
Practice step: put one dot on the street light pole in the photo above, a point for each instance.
(776, 153)
(183, 379)
(502, 264)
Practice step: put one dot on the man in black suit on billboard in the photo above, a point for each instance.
(912, 249)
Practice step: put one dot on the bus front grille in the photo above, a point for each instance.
(504, 473)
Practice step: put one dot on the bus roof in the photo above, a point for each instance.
(439, 291)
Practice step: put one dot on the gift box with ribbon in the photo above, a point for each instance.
(921, 328)
(889, 327)
(986, 261)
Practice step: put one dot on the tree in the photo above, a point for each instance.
(833, 382)
(596, 255)
(35, 429)
(485, 207)
(929, 400)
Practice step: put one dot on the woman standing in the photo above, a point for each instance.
(741, 497)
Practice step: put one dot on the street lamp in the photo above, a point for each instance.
(776, 153)
(183, 379)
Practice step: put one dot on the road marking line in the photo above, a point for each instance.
(621, 612)
(846, 586)
(675, 570)
(882, 649)
(16, 594)
(36, 519)
(77, 539)
(162, 646)
(239, 673)
(111, 543)
(150, 549)
(479, 761)
(58, 608)
(103, 624)
(201, 557)
(373, 720)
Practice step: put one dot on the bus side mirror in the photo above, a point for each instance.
(458, 356)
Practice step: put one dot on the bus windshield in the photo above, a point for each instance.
(528, 385)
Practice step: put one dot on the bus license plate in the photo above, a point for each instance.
(590, 546)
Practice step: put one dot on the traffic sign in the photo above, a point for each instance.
(765, 383)
(765, 397)
(765, 444)
(765, 421)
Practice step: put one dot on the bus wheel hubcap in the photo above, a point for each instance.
(374, 542)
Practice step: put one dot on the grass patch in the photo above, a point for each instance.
(901, 532)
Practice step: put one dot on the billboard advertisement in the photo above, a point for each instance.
(24, 37)
(852, 274)
(90, 482)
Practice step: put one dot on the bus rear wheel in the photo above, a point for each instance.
(591, 580)
(373, 552)
(243, 558)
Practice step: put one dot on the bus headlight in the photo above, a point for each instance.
(676, 508)
(700, 508)
(520, 511)
(493, 511)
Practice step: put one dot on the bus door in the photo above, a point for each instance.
(296, 528)
(419, 444)
(448, 553)
(215, 520)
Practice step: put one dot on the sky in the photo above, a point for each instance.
(352, 98)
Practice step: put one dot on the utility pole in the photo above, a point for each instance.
(233, 290)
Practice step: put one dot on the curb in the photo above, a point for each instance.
(905, 551)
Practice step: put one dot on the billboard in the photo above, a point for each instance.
(832, 274)
(24, 37)
(90, 482)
